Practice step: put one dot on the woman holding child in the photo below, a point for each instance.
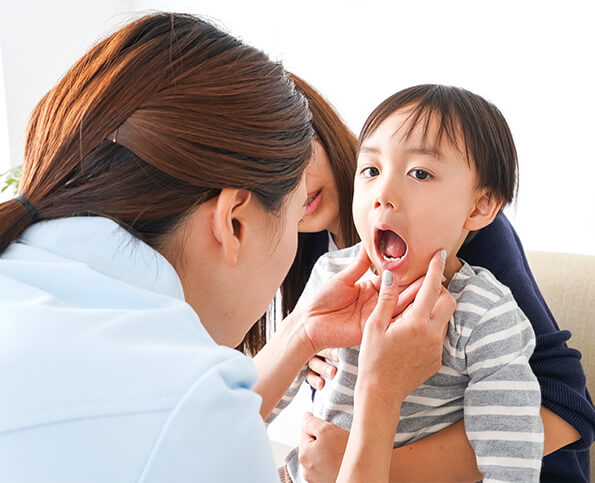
(447, 455)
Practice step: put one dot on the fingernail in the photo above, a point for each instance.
(443, 254)
(329, 372)
(387, 278)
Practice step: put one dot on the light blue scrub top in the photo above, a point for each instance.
(107, 374)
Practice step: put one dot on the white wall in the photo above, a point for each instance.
(533, 59)
(4, 145)
(40, 40)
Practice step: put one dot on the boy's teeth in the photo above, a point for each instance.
(390, 259)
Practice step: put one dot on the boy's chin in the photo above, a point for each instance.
(404, 275)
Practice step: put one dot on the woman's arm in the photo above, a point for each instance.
(334, 318)
(280, 360)
(447, 455)
(444, 456)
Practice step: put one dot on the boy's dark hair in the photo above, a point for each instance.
(485, 133)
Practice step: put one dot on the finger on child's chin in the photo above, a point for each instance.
(430, 290)
(443, 310)
(407, 296)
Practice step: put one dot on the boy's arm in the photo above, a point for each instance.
(498, 248)
(502, 401)
(444, 456)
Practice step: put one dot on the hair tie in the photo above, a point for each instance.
(27, 204)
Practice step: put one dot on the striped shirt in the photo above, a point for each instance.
(485, 378)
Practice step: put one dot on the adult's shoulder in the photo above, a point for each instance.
(216, 432)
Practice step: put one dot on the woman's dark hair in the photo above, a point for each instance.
(156, 119)
(340, 146)
(471, 125)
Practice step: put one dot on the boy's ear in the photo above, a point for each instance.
(485, 209)
(228, 222)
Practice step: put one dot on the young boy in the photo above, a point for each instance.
(436, 164)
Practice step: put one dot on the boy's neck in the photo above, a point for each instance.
(453, 265)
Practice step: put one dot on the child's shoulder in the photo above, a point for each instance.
(479, 284)
(478, 292)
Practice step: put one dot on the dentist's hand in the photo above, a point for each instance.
(398, 354)
(336, 317)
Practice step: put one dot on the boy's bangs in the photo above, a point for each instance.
(436, 122)
(432, 107)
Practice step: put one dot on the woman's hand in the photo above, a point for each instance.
(321, 449)
(398, 354)
(318, 365)
(337, 315)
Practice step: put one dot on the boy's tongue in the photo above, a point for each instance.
(394, 246)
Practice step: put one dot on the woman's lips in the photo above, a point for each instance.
(313, 202)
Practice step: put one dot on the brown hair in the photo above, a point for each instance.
(340, 145)
(156, 119)
(486, 137)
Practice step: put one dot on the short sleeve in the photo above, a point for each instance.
(215, 433)
(502, 399)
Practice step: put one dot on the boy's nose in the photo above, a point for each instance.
(387, 197)
(382, 202)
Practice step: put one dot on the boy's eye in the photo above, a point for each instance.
(420, 174)
(370, 172)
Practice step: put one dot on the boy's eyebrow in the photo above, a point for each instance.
(417, 150)
(369, 149)
(425, 151)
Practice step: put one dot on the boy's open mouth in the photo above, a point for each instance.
(390, 247)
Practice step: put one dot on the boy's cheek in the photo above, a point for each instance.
(363, 228)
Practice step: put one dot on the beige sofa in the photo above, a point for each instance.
(567, 282)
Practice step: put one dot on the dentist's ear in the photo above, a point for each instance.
(485, 209)
(228, 222)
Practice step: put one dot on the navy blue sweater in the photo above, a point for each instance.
(557, 367)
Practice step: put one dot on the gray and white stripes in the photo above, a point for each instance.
(485, 378)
